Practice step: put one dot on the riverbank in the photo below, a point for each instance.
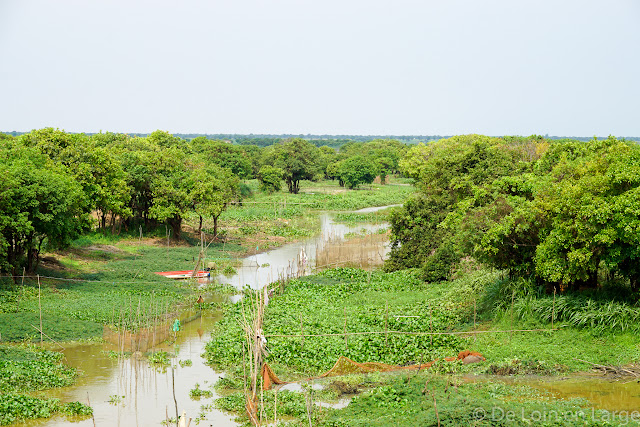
(105, 281)
(389, 318)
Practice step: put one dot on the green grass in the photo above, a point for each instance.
(409, 401)
(321, 301)
(352, 218)
(101, 290)
(372, 302)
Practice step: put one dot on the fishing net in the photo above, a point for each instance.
(346, 366)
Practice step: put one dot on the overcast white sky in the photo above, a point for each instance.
(501, 67)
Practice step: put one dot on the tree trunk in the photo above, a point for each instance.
(113, 223)
(215, 226)
(176, 225)
(200, 226)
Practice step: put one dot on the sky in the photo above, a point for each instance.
(351, 67)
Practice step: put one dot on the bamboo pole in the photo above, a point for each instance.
(40, 309)
(301, 333)
(173, 385)
(553, 311)
(474, 319)
(386, 323)
(346, 345)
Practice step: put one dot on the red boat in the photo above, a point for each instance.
(183, 274)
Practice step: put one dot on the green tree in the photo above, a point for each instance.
(270, 178)
(357, 170)
(225, 155)
(102, 177)
(298, 159)
(456, 201)
(170, 188)
(212, 188)
(41, 205)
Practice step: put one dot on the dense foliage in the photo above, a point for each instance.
(53, 181)
(565, 213)
(369, 302)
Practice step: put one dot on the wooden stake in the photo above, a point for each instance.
(40, 309)
(435, 406)
(173, 385)
(474, 320)
(301, 333)
(346, 345)
(553, 311)
(386, 323)
(92, 416)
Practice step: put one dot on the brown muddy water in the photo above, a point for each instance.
(131, 392)
(333, 247)
(602, 393)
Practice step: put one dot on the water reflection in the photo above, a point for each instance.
(130, 392)
(328, 249)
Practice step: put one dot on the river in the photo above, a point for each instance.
(131, 392)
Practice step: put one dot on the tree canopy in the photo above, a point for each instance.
(41, 205)
(564, 213)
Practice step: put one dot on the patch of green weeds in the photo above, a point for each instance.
(30, 369)
(409, 403)
(24, 369)
(370, 301)
(197, 392)
(159, 358)
(115, 399)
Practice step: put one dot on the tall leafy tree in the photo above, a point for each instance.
(298, 159)
(211, 189)
(224, 154)
(41, 205)
(170, 188)
(357, 170)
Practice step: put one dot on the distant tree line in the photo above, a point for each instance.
(55, 185)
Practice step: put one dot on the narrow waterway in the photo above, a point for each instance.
(131, 392)
(263, 268)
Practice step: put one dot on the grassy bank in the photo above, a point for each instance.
(93, 285)
(354, 300)
(269, 220)
(25, 370)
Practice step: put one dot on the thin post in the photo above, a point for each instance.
(301, 333)
(553, 311)
(92, 416)
(173, 385)
(40, 309)
(431, 324)
(346, 345)
(386, 323)
(513, 296)
(168, 232)
(435, 406)
(474, 320)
